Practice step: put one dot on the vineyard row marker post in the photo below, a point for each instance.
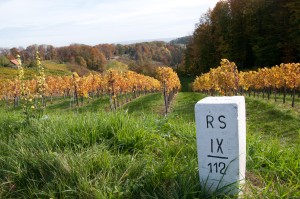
(221, 143)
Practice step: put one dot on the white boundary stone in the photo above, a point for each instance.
(221, 143)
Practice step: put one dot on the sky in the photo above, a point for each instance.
(92, 22)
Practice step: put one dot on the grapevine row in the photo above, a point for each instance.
(113, 83)
(226, 80)
(120, 86)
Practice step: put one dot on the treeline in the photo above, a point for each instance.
(252, 33)
(137, 56)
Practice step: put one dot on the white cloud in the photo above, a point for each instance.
(61, 22)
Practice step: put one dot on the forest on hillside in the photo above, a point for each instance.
(252, 33)
(140, 57)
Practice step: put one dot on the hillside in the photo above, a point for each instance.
(140, 57)
(51, 68)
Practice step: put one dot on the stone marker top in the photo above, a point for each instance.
(222, 100)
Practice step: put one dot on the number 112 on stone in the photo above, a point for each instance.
(221, 143)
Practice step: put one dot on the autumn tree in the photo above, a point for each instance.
(251, 33)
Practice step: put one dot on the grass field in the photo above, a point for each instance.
(116, 65)
(58, 69)
(51, 68)
(87, 152)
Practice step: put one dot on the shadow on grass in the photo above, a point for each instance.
(95, 105)
(152, 103)
(268, 119)
(184, 105)
(186, 83)
(62, 104)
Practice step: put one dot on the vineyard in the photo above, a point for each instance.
(227, 80)
(85, 137)
(100, 100)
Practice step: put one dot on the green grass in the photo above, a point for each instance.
(56, 69)
(273, 150)
(184, 105)
(96, 155)
(87, 152)
(54, 66)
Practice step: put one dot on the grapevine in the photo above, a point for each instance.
(170, 84)
(226, 80)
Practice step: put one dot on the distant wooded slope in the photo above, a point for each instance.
(141, 57)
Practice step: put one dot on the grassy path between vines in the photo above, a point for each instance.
(137, 152)
(273, 150)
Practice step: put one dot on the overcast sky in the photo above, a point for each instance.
(91, 22)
